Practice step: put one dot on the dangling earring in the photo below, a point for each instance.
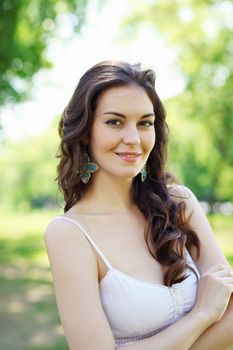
(143, 173)
(87, 168)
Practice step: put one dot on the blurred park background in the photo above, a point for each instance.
(45, 46)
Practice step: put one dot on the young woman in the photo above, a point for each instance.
(134, 261)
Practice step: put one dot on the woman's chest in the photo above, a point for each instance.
(137, 310)
(123, 244)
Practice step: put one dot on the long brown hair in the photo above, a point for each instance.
(167, 228)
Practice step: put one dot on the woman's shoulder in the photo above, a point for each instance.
(63, 238)
(61, 228)
(64, 222)
(55, 223)
(179, 191)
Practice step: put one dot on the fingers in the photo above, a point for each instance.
(228, 280)
(215, 268)
(221, 273)
(224, 273)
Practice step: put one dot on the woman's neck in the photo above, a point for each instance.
(108, 194)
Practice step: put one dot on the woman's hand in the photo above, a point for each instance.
(214, 291)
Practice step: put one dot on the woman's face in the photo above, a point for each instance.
(122, 134)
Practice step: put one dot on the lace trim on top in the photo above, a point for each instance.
(129, 340)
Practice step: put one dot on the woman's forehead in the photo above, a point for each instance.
(129, 96)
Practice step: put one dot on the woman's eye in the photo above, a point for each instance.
(117, 122)
(113, 122)
(147, 123)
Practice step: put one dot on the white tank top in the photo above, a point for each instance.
(136, 309)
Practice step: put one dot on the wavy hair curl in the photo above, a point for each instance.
(167, 228)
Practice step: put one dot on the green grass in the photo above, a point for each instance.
(29, 318)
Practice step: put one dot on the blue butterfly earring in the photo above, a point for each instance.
(143, 173)
(87, 168)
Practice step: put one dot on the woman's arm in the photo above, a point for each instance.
(180, 336)
(75, 278)
(219, 335)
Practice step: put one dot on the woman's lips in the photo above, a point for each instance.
(128, 156)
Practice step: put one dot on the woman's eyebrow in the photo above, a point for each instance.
(123, 116)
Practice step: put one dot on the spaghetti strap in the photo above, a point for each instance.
(88, 237)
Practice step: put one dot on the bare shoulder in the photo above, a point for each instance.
(66, 235)
(67, 246)
(75, 277)
(59, 228)
(180, 193)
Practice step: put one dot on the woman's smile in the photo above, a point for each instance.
(128, 156)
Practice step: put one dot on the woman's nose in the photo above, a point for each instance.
(131, 136)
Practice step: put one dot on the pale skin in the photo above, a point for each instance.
(117, 228)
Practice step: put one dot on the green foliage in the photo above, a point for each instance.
(28, 179)
(25, 27)
(201, 33)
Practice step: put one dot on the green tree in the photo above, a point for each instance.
(25, 28)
